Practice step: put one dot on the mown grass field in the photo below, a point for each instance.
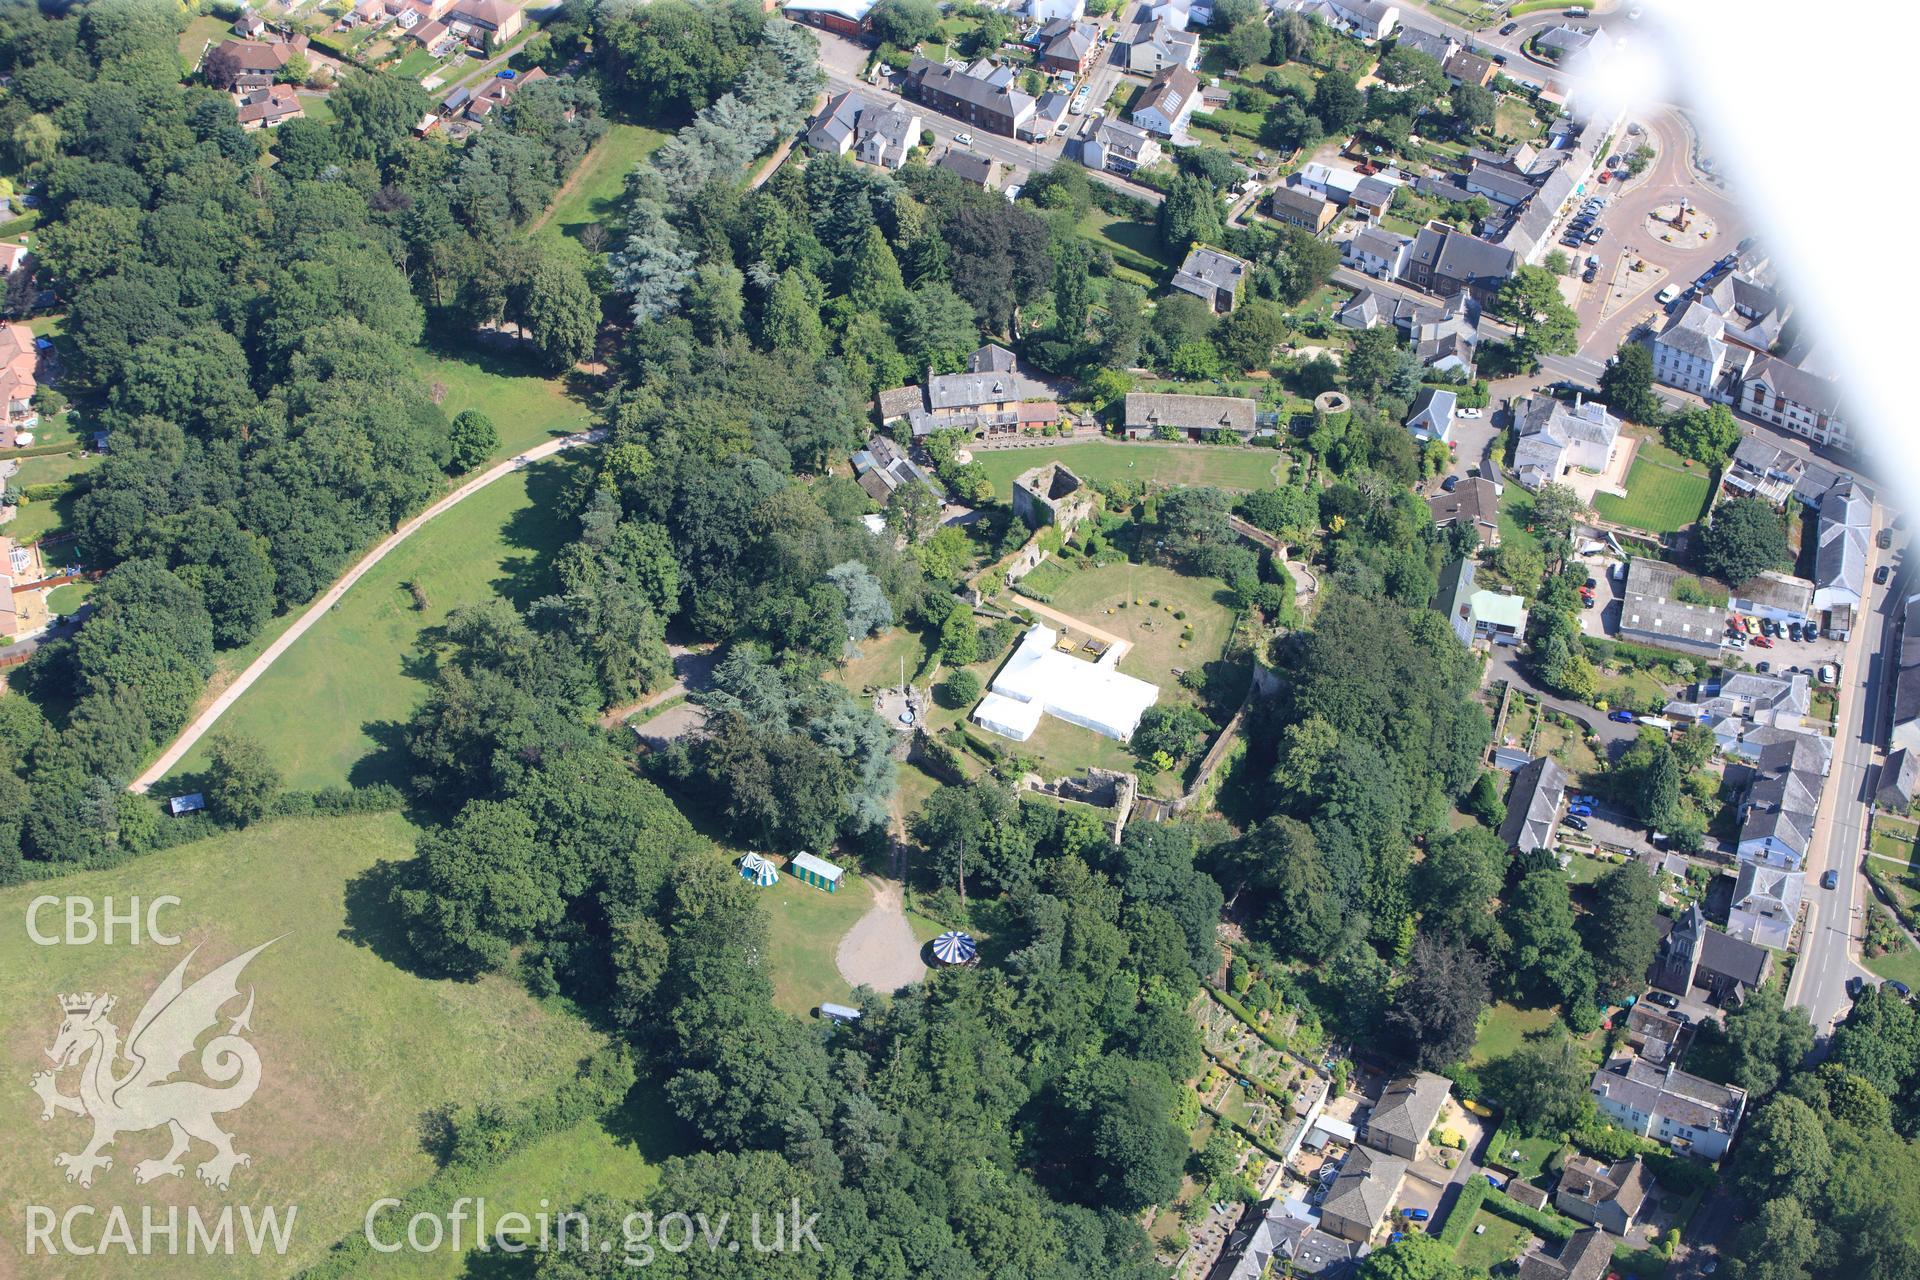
(526, 406)
(357, 1053)
(1502, 1242)
(1225, 466)
(1135, 247)
(598, 184)
(40, 518)
(329, 712)
(1504, 1028)
(1662, 495)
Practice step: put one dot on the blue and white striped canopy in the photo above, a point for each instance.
(954, 948)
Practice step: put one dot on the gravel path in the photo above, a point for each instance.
(880, 950)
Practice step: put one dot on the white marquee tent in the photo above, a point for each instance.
(1038, 679)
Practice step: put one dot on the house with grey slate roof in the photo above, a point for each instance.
(1797, 399)
(1840, 560)
(1776, 818)
(1213, 276)
(1669, 1106)
(1533, 805)
(1361, 1193)
(1280, 1237)
(1906, 681)
(1766, 902)
(1377, 252)
(1554, 437)
(1408, 1109)
(1445, 261)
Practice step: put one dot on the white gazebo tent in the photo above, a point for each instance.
(1038, 679)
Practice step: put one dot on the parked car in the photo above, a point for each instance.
(1738, 642)
(1495, 1181)
(1499, 59)
(1763, 667)
(1418, 1215)
(1681, 1016)
(1509, 28)
(1900, 989)
(1578, 824)
(1606, 176)
(1880, 575)
(1827, 673)
(1762, 642)
(1831, 880)
(963, 139)
(1585, 800)
(1793, 630)
(1855, 985)
(1620, 717)
(1664, 1000)
(1450, 484)
(1810, 632)
(1581, 811)
(1589, 274)
(1883, 539)
(1467, 413)
(1596, 235)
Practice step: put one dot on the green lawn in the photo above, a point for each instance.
(1135, 246)
(200, 29)
(1503, 1241)
(1893, 837)
(1898, 966)
(1225, 466)
(804, 928)
(1504, 1028)
(65, 599)
(526, 406)
(41, 518)
(352, 681)
(357, 1053)
(1513, 118)
(1662, 496)
(594, 192)
(416, 65)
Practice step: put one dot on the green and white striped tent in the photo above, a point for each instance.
(759, 870)
(817, 872)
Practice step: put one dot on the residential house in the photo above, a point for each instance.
(1692, 955)
(1668, 1105)
(1166, 104)
(1608, 1196)
(881, 134)
(1475, 503)
(248, 25)
(1155, 46)
(1555, 437)
(1280, 1237)
(1377, 252)
(14, 258)
(1651, 613)
(971, 167)
(1469, 68)
(1748, 711)
(1048, 112)
(1476, 613)
(1587, 1255)
(1655, 1035)
(981, 95)
(1301, 207)
(1330, 181)
(1430, 417)
(1408, 1109)
(1433, 44)
(1366, 20)
(1906, 680)
(1445, 261)
(1771, 474)
(1212, 276)
(1899, 780)
(1119, 147)
(1373, 194)
(1776, 818)
(1499, 185)
(850, 18)
(269, 108)
(1692, 352)
(1067, 46)
(1533, 806)
(497, 93)
(1045, 11)
(993, 397)
(884, 466)
(19, 362)
(1840, 559)
(489, 23)
(1795, 399)
(1564, 43)
(1361, 1193)
(1150, 415)
(1766, 902)
(243, 66)
(1754, 313)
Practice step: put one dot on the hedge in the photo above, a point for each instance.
(1460, 1217)
(1642, 1264)
(1549, 1226)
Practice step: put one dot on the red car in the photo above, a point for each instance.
(1606, 176)
(1762, 642)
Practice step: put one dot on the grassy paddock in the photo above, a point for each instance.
(597, 186)
(1224, 466)
(526, 406)
(1504, 1028)
(357, 1053)
(352, 681)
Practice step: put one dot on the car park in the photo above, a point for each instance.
(1578, 824)
(1830, 880)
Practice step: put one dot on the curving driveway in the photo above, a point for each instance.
(208, 717)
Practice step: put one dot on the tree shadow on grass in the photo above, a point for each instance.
(537, 530)
(374, 922)
(388, 761)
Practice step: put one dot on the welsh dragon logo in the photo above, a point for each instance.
(145, 1094)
